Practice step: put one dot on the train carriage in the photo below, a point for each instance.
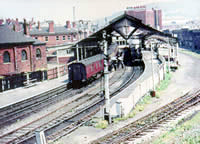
(81, 72)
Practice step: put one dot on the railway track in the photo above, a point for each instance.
(152, 120)
(22, 109)
(27, 131)
(11, 113)
(80, 121)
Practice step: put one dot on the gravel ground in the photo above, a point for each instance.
(183, 80)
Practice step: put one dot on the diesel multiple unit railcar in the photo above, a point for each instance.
(80, 72)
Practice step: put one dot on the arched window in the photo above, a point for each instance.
(38, 53)
(24, 55)
(6, 57)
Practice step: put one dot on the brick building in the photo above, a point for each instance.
(152, 17)
(19, 54)
(54, 35)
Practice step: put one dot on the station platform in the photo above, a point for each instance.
(15, 95)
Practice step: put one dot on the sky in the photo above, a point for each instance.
(62, 10)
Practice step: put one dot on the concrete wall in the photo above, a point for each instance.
(135, 91)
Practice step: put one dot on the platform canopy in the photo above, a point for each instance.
(126, 26)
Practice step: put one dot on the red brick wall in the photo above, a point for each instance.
(6, 67)
(139, 15)
(23, 65)
(160, 18)
(17, 65)
(39, 63)
(63, 60)
(150, 19)
(52, 39)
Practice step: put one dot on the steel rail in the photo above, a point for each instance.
(151, 120)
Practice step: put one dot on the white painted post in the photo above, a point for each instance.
(169, 55)
(2, 85)
(43, 76)
(177, 53)
(40, 137)
(82, 53)
(106, 77)
(152, 67)
(58, 66)
(27, 78)
(77, 53)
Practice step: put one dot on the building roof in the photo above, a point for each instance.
(8, 36)
(57, 30)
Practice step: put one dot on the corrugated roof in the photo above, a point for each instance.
(57, 30)
(8, 36)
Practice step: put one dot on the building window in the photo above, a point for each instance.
(57, 37)
(64, 38)
(38, 53)
(68, 51)
(36, 37)
(69, 38)
(24, 55)
(46, 38)
(6, 57)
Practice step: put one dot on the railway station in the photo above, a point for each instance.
(114, 69)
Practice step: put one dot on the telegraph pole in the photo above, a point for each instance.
(106, 77)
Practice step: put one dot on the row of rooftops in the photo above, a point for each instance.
(15, 32)
(52, 29)
(9, 36)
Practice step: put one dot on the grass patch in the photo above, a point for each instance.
(186, 133)
(163, 84)
(102, 124)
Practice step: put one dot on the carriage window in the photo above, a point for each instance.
(24, 55)
(6, 57)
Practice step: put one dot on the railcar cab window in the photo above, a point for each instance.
(24, 55)
(38, 53)
(6, 57)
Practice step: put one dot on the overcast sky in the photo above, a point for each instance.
(62, 10)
